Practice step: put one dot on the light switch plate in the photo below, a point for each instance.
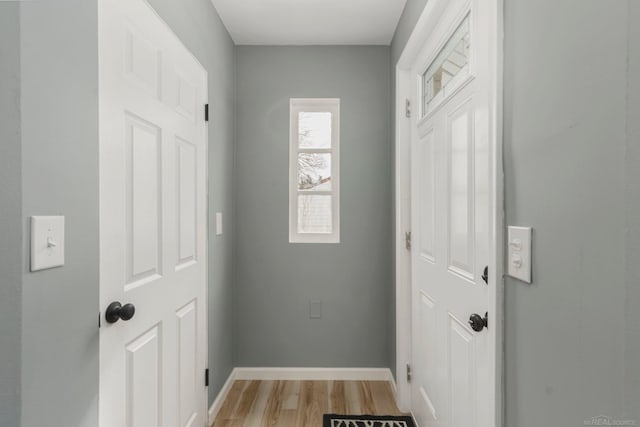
(218, 223)
(519, 253)
(47, 242)
(315, 309)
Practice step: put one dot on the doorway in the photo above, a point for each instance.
(449, 198)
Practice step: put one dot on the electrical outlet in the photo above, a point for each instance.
(315, 310)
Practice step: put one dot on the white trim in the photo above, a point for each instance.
(403, 225)
(331, 105)
(423, 29)
(208, 197)
(222, 395)
(394, 388)
(316, 374)
(496, 291)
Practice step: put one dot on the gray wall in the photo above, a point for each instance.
(632, 218)
(571, 172)
(408, 19)
(275, 280)
(565, 142)
(59, 97)
(10, 214)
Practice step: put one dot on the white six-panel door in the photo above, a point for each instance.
(153, 225)
(451, 214)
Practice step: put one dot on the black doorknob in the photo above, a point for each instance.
(478, 323)
(117, 311)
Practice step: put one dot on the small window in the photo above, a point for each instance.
(314, 166)
(448, 69)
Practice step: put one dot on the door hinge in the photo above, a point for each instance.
(206, 112)
(407, 240)
(99, 320)
(485, 275)
(408, 373)
(407, 108)
(206, 377)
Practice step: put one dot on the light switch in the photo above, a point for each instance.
(218, 223)
(519, 253)
(47, 242)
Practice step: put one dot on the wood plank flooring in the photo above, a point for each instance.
(302, 403)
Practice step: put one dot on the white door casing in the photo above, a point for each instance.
(452, 202)
(153, 223)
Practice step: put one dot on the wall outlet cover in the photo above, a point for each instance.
(315, 310)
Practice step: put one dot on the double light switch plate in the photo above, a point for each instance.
(47, 242)
(519, 253)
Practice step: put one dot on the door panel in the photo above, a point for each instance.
(428, 376)
(186, 101)
(461, 374)
(461, 218)
(427, 197)
(143, 234)
(153, 227)
(142, 61)
(143, 380)
(187, 363)
(187, 173)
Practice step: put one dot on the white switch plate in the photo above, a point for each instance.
(519, 253)
(47, 242)
(218, 223)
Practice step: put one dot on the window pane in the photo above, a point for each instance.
(314, 129)
(314, 171)
(452, 59)
(314, 214)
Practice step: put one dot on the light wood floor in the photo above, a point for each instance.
(302, 403)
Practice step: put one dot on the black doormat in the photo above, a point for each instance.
(333, 420)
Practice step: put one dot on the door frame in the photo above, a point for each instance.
(419, 36)
(208, 197)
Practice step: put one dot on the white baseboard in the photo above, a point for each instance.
(222, 395)
(319, 374)
(394, 386)
(299, 374)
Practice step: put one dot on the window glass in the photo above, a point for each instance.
(314, 129)
(314, 171)
(452, 61)
(314, 214)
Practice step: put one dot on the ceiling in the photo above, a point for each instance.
(310, 22)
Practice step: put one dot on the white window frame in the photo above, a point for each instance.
(330, 105)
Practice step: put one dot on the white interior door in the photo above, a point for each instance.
(452, 199)
(153, 225)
